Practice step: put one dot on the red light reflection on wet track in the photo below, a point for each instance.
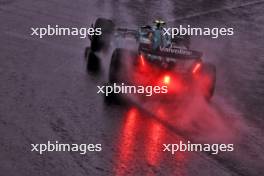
(140, 144)
(127, 142)
(154, 144)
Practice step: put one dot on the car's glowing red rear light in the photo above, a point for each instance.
(166, 79)
(196, 68)
(142, 60)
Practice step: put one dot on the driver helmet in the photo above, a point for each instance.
(159, 23)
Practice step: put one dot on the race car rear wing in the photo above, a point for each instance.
(177, 53)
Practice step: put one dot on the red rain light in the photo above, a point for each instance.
(166, 79)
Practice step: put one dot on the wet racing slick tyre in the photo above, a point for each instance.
(122, 63)
(102, 42)
(118, 71)
(208, 75)
(111, 98)
(114, 75)
(93, 62)
(115, 65)
(99, 43)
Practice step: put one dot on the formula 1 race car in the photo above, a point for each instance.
(158, 60)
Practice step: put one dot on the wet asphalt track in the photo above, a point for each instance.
(46, 93)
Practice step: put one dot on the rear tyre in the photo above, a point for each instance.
(116, 65)
(111, 98)
(114, 75)
(100, 42)
(122, 64)
(118, 72)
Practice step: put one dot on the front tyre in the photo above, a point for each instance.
(101, 42)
